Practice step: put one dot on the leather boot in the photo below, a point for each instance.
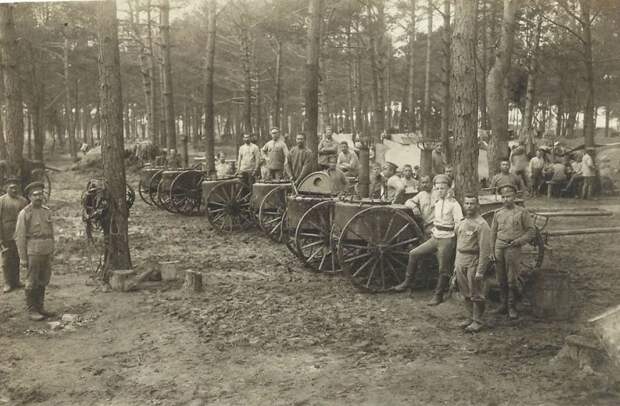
(406, 283)
(442, 283)
(31, 305)
(40, 300)
(477, 324)
(512, 306)
(503, 301)
(470, 313)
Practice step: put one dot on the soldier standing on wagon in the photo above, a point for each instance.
(10, 206)
(512, 227)
(473, 253)
(276, 155)
(34, 236)
(300, 161)
(447, 213)
(248, 159)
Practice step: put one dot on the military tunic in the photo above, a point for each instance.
(473, 250)
(510, 229)
(34, 236)
(9, 210)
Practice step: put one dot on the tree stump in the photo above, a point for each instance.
(168, 270)
(122, 280)
(193, 281)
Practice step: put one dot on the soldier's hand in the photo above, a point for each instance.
(492, 258)
(479, 276)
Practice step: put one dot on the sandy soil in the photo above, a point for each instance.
(268, 332)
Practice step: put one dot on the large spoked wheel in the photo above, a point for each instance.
(143, 191)
(153, 187)
(271, 214)
(228, 206)
(532, 253)
(186, 192)
(315, 243)
(163, 195)
(374, 246)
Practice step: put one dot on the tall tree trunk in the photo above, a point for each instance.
(12, 90)
(376, 40)
(143, 58)
(323, 95)
(607, 118)
(484, 66)
(446, 102)
(29, 143)
(277, 105)
(559, 118)
(167, 63)
(589, 121)
(527, 127)
(246, 60)
(349, 126)
(155, 97)
(209, 89)
(465, 99)
(68, 122)
(497, 88)
(359, 95)
(117, 255)
(426, 123)
(411, 99)
(311, 88)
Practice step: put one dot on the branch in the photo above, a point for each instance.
(570, 30)
(564, 6)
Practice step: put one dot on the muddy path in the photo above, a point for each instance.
(268, 332)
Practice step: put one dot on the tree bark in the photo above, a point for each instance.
(12, 90)
(497, 89)
(246, 58)
(377, 60)
(277, 105)
(446, 102)
(589, 121)
(155, 97)
(171, 140)
(465, 99)
(311, 88)
(209, 89)
(69, 123)
(411, 99)
(484, 67)
(117, 256)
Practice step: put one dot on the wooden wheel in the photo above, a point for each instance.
(271, 214)
(315, 244)
(143, 191)
(163, 195)
(228, 206)
(374, 246)
(153, 187)
(186, 192)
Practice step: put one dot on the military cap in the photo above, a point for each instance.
(590, 149)
(34, 186)
(275, 130)
(507, 185)
(392, 165)
(332, 158)
(441, 179)
(12, 180)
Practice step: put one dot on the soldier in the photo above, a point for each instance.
(34, 236)
(347, 161)
(394, 189)
(337, 180)
(328, 147)
(10, 206)
(300, 161)
(447, 213)
(248, 159)
(275, 153)
(473, 253)
(422, 204)
(512, 227)
(505, 177)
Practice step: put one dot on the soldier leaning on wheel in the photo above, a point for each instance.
(34, 236)
(10, 206)
(473, 253)
(512, 227)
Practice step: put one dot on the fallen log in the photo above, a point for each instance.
(193, 281)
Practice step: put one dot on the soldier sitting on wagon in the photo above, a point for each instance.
(422, 204)
(411, 184)
(393, 189)
(376, 182)
(337, 180)
(347, 160)
(447, 213)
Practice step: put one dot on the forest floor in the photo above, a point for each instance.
(268, 332)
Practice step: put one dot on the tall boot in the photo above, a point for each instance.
(409, 277)
(512, 305)
(442, 284)
(31, 305)
(477, 324)
(40, 300)
(470, 313)
(503, 301)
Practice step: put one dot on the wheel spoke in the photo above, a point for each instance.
(312, 244)
(395, 236)
(311, 235)
(363, 266)
(355, 258)
(404, 242)
(313, 255)
(393, 270)
(372, 273)
(322, 261)
(389, 227)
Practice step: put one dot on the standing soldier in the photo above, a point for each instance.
(512, 227)
(328, 147)
(34, 236)
(10, 206)
(473, 253)
(248, 159)
(276, 155)
(505, 177)
(300, 160)
(447, 213)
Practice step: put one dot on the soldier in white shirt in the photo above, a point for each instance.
(248, 159)
(588, 169)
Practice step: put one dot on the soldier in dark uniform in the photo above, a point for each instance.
(512, 227)
(34, 236)
(10, 206)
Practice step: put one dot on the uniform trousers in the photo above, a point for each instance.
(465, 267)
(443, 248)
(507, 264)
(10, 264)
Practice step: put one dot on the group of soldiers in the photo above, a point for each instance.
(27, 241)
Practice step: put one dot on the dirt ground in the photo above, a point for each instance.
(268, 332)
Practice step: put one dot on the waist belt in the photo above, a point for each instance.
(444, 228)
(472, 252)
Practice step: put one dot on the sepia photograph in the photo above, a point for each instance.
(310, 202)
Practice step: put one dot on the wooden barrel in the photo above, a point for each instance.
(551, 295)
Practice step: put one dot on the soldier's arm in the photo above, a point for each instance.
(239, 159)
(493, 233)
(484, 245)
(257, 158)
(528, 227)
(457, 213)
(1, 232)
(20, 236)
(307, 167)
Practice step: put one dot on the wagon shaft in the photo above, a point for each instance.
(582, 231)
(573, 213)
